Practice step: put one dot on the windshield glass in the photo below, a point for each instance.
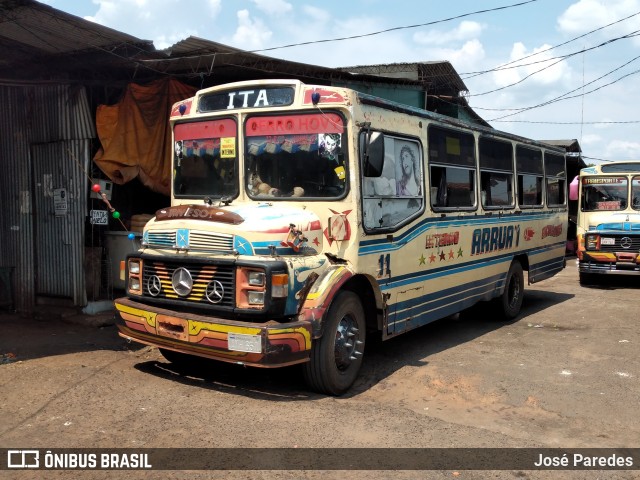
(604, 193)
(635, 193)
(295, 156)
(204, 159)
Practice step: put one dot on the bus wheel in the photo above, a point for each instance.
(511, 299)
(336, 357)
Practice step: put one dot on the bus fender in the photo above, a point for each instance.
(321, 294)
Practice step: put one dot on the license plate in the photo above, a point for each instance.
(241, 342)
(607, 241)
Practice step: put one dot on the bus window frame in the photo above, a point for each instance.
(496, 170)
(634, 205)
(522, 172)
(344, 155)
(562, 179)
(364, 183)
(438, 163)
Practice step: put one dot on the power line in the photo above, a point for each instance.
(560, 59)
(352, 37)
(563, 97)
(504, 67)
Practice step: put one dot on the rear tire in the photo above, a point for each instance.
(511, 299)
(336, 357)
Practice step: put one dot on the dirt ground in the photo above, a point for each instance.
(564, 374)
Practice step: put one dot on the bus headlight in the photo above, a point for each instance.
(255, 298)
(256, 279)
(254, 289)
(593, 242)
(134, 267)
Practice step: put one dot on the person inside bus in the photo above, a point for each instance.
(408, 183)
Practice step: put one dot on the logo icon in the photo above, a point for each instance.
(23, 459)
(154, 285)
(625, 242)
(182, 281)
(215, 291)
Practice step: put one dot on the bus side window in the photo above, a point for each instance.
(452, 168)
(394, 194)
(496, 173)
(530, 176)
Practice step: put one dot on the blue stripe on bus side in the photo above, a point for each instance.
(436, 305)
(422, 276)
(382, 244)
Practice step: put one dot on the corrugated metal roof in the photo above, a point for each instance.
(572, 145)
(38, 37)
(51, 31)
(437, 75)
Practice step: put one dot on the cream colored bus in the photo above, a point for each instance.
(608, 225)
(304, 219)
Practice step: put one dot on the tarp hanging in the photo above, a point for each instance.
(135, 134)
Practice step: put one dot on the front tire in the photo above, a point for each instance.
(336, 357)
(511, 300)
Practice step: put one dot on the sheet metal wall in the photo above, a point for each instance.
(35, 116)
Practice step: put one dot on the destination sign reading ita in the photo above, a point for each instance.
(247, 98)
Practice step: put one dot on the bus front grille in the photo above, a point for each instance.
(210, 284)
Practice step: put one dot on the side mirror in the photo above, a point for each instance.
(372, 146)
(573, 189)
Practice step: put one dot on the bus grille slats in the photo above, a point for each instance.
(211, 241)
(617, 247)
(635, 244)
(202, 241)
(202, 276)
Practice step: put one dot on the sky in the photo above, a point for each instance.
(569, 68)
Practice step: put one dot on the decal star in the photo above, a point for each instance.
(451, 254)
(442, 255)
(422, 260)
(316, 242)
(460, 252)
(432, 258)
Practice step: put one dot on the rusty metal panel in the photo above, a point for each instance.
(60, 207)
(45, 142)
(15, 196)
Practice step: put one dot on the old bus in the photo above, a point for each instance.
(608, 225)
(305, 218)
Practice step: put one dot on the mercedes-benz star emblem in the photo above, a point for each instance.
(154, 286)
(215, 291)
(625, 242)
(182, 282)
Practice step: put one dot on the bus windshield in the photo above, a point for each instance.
(205, 159)
(604, 193)
(635, 193)
(295, 156)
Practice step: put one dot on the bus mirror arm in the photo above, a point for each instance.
(372, 147)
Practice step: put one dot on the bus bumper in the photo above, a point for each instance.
(269, 344)
(609, 263)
